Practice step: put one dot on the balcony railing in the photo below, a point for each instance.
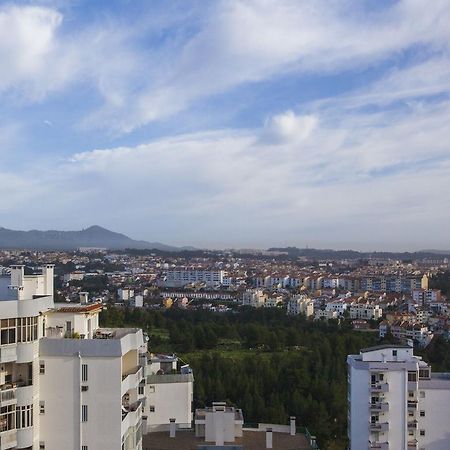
(379, 406)
(7, 396)
(412, 424)
(379, 387)
(379, 426)
(379, 445)
(8, 439)
(412, 404)
(170, 378)
(412, 445)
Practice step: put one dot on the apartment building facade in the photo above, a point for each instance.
(396, 402)
(182, 277)
(300, 304)
(66, 383)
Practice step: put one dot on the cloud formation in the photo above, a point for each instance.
(365, 166)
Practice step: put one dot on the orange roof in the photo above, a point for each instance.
(80, 308)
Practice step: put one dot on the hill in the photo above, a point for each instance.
(93, 236)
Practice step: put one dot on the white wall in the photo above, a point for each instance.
(171, 400)
(436, 422)
(60, 389)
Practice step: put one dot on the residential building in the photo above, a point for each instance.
(365, 311)
(426, 296)
(66, 383)
(396, 402)
(254, 297)
(300, 304)
(182, 277)
(168, 392)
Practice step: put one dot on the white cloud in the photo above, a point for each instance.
(236, 42)
(289, 127)
(353, 179)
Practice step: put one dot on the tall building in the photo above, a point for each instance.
(182, 277)
(65, 382)
(396, 402)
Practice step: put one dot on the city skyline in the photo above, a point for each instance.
(229, 124)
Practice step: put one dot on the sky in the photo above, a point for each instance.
(229, 123)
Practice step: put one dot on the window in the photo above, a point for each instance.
(41, 407)
(41, 445)
(152, 408)
(84, 372)
(422, 394)
(141, 390)
(394, 353)
(8, 331)
(24, 416)
(84, 447)
(84, 413)
(151, 389)
(422, 413)
(84, 388)
(422, 432)
(7, 418)
(412, 376)
(42, 367)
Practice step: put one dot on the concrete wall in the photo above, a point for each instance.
(436, 422)
(60, 426)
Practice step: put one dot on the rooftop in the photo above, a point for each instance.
(251, 440)
(383, 347)
(77, 307)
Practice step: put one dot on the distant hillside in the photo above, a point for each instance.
(319, 254)
(93, 236)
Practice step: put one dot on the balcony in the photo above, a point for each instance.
(412, 425)
(8, 397)
(412, 445)
(412, 404)
(8, 439)
(8, 353)
(379, 406)
(131, 416)
(379, 427)
(379, 387)
(379, 445)
(131, 380)
(170, 378)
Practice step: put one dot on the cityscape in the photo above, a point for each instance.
(177, 330)
(224, 225)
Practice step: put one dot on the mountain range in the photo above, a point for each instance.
(94, 236)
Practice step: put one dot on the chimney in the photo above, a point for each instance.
(172, 428)
(84, 298)
(292, 425)
(269, 438)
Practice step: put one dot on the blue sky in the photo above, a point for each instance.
(229, 123)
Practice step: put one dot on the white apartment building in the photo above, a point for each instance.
(169, 393)
(23, 299)
(180, 278)
(300, 304)
(426, 296)
(254, 297)
(395, 402)
(325, 314)
(125, 294)
(65, 383)
(338, 306)
(365, 311)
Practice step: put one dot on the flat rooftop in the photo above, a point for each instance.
(251, 440)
